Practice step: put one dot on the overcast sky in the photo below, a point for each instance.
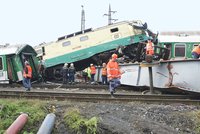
(37, 21)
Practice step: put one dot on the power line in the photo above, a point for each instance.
(110, 12)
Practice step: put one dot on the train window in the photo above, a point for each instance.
(114, 30)
(61, 38)
(70, 35)
(83, 38)
(179, 50)
(1, 63)
(80, 32)
(67, 43)
(87, 30)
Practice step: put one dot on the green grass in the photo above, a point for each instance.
(10, 109)
(196, 118)
(79, 124)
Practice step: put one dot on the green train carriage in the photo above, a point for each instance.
(180, 46)
(12, 59)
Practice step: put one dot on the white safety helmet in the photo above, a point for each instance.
(66, 64)
(26, 63)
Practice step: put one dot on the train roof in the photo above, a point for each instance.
(134, 22)
(14, 49)
(180, 38)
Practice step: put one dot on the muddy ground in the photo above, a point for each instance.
(132, 118)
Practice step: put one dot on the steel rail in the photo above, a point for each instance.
(94, 97)
(60, 85)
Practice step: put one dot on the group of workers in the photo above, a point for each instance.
(68, 73)
(110, 74)
(90, 72)
(110, 71)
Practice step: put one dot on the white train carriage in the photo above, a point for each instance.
(94, 46)
(85, 44)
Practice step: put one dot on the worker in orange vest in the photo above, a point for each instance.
(104, 74)
(196, 52)
(93, 72)
(149, 48)
(27, 75)
(113, 74)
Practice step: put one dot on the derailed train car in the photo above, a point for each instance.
(126, 38)
(180, 71)
(12, 58)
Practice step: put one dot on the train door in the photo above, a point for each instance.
(169, 47)
(3, 70)
(11, 71)
(28, 57)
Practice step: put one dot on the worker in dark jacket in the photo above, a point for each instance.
(72, 72)
(41, 71)
(65, 73)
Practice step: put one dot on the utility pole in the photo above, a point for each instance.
(110, 15)
(82, 19)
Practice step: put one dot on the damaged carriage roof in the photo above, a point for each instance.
(13, 49)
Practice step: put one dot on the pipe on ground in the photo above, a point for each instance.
(18, 124)
(47, 124)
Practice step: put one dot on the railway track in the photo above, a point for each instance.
(60, 85)
(95, 97)
(67, 86)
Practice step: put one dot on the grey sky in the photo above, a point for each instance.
(37, 21)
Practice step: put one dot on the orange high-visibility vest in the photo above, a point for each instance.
(149, 48)
(27, 73)
(104, 71)
(93, 70)
(196, 50)
(113, 70)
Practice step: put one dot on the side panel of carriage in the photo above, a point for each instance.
(3, 70)
(180, 49)
(180, 46)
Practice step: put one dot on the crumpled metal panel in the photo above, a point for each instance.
(183, 74)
